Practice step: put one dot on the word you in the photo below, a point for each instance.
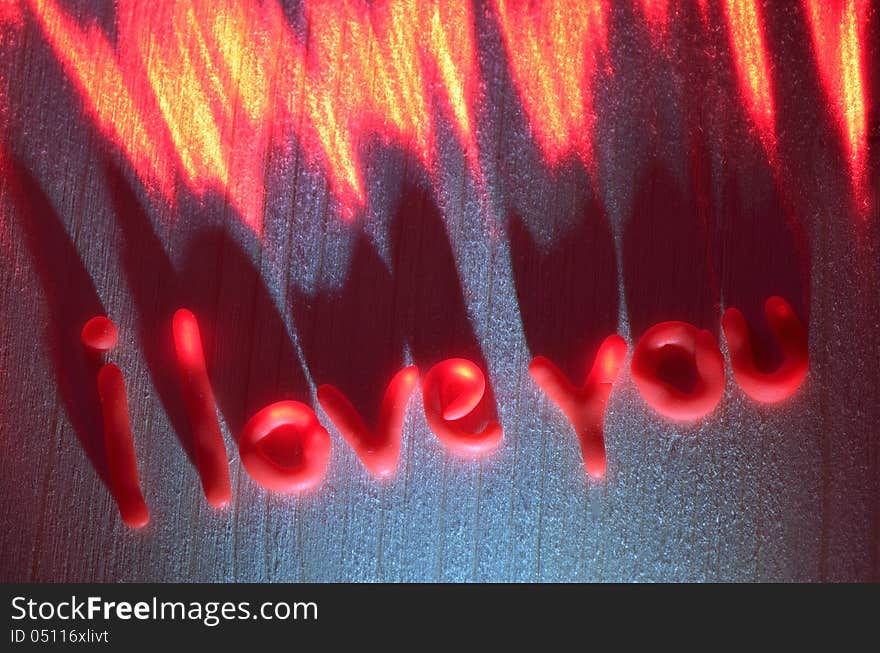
(284, 447)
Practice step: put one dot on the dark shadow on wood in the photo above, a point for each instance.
(156, 292)
(764, 253)
(666, 266)
(251, 359)
(71, 300)
(347, 334)
(430, 312)
(567, 290)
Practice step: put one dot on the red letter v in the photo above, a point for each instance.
(378, 450)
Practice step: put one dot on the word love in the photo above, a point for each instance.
(285, 448)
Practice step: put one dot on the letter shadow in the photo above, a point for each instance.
(250, 359)
(567, 291)
(71, 300)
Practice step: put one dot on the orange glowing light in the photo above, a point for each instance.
(753, 66)
(224, 81)
(657, 15)
(837, 28)
(554, 50)
(107, 92)
(376, 70)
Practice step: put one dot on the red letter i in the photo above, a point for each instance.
(99, 335)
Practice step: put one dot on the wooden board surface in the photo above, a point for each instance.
(682, 216)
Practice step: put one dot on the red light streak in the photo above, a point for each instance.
(657, 15)
(837, 28)
(204, 100)
(752, 61)
(554, 50)
(704, 10)
(232, 80)
(10, 13)
(106, 89)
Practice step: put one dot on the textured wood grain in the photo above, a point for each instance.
(678, 228)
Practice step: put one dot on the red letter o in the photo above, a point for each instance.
(657, 352)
